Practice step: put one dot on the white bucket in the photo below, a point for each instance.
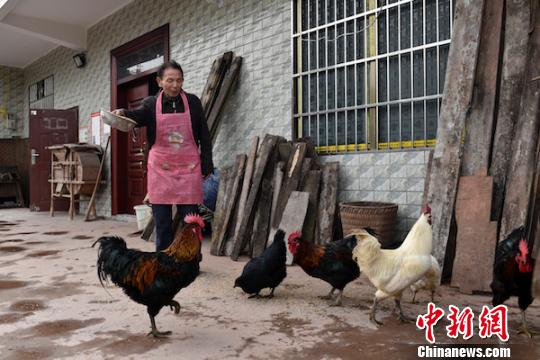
(144, 214)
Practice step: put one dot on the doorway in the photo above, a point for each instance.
(133, 72)
(48, 127)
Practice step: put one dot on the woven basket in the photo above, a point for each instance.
(381, 217)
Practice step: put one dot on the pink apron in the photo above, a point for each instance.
(174, 165)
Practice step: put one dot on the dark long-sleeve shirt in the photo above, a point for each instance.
(145, 115)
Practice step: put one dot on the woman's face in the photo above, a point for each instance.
(171, 82)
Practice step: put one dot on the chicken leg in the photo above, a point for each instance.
(338, 299)
(329, 295)
(271, 295)
(413, 301)
(373, 312)
(174, 305)
(154, 332)
(524, 328)
(401, 316)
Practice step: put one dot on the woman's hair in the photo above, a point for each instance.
(169, 65)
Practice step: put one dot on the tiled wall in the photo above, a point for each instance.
(11, 102)
(396, 177)
(259, 31)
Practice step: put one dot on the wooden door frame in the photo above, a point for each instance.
(159, 34)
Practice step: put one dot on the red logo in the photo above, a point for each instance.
(429, 320)
(460, 323)
(490, 322)
(494, 322)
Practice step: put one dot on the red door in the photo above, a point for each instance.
(128, 163)
(48, 127)
(136, 166)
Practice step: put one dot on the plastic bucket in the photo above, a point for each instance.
(144, 214)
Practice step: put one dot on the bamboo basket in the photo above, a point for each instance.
(379, 216)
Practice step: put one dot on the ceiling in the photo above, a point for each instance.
(30, 29)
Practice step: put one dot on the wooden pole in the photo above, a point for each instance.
(457, 97)
(92, 203)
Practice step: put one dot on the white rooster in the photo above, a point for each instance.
(430, 281)
(393, 271)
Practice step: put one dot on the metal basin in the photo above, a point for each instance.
(118, 122)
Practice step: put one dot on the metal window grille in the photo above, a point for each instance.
(41, 94)
(369, 74)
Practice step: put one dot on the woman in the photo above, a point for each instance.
(180, 150)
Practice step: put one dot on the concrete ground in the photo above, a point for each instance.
(53, 306)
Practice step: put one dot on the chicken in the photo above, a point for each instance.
(265, 271)
(332, 262)
(513, 274)
(393, 271)
(153, 278)
(430, 281)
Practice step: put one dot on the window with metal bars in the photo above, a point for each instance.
(41, 94)
(369, 74)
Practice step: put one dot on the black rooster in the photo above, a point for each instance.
(153, 278)
(513, 274)
(265, 271)
(332, 262)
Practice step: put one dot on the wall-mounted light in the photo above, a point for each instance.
(80, 60)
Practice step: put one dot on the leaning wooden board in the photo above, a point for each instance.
(243, 235)
(328, 203)
(213, 84)
(476, 234)
(516, 28)
(226, 229)
(246, 185)
(291, 180)
(217, 221)
(458, 91)
(228, 82)
(311, 185)
(480, 121)
(294, 216)
(523, 163)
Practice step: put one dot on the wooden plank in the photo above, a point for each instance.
(294, 216)
(246, 185)
(306, 168)
(261, 224)
(311, 185)
(291, 180)
(228, 82)
(215, 79)
(476, 235)
(516, 29)
(523, 163)
(285, 151)
(232, 201)
(480, 120)
(328, 203)
(456, 102)
(277, 182)
(311, 153)
(266, 149)
(91, 210)
(217, 221)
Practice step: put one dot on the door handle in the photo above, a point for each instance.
(34, 155)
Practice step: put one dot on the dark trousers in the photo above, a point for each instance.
(162, 214)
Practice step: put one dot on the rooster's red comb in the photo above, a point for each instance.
(427, 209)
(294, 235)
(194, 219)
(523, 248)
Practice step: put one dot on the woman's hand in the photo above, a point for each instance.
(146, 200)
(119, 112)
